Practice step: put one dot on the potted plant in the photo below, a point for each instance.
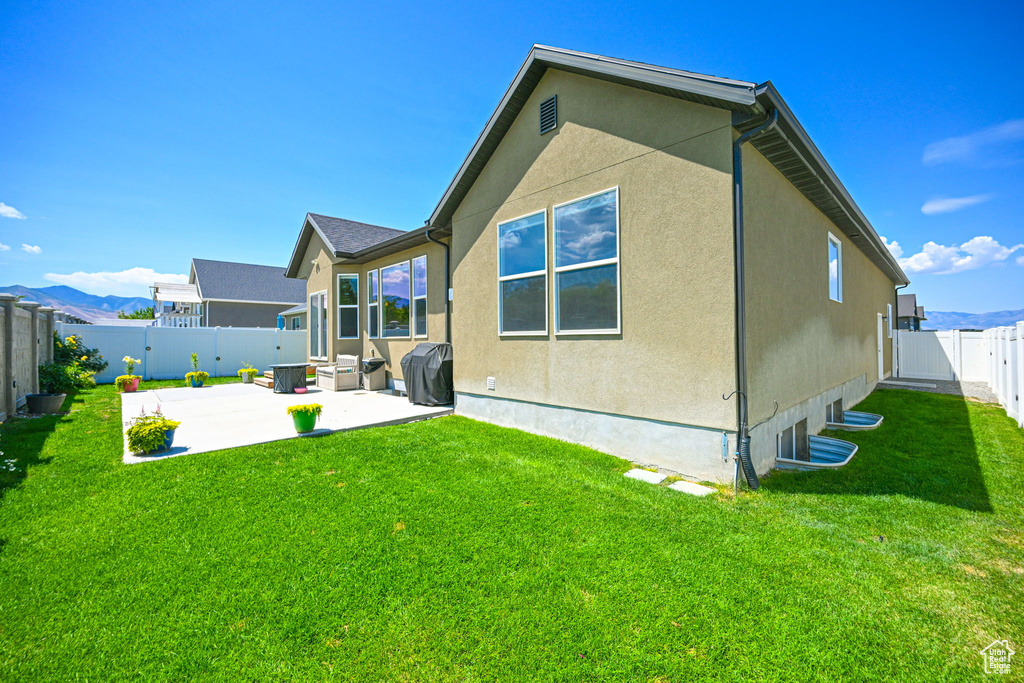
(149, 434)
(129, 381)
(304, 417)
(55, 381)
(197, 376)
(247, 373)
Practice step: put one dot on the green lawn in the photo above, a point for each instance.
(454, 550)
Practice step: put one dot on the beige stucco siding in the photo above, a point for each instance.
(671, 162)
(323, 276)
(800, 343)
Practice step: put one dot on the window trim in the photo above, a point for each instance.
(320, 326)
(413, 319)
(370, 304)
(339, 306)
(591, 264)
(523, 276)
(832, 239)
(381, 287)
(888, 319)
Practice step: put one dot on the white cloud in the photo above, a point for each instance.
(32, 249)
(943, 260)
(4, 247)
(966, 147)
(131, 282)
(948, 204)
(1020, 260)
(10, 212)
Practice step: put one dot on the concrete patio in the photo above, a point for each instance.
(231, 415)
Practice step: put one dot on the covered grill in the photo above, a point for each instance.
(428, 374)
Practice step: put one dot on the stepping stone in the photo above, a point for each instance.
(691, 488)
(644, 475)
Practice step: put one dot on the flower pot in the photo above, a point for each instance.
(246, 378)
(131, 386)
(299, 390)
(304, 422)
(196, 383)
(168, 440)
(45, 403)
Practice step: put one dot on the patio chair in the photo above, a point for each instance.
(341, 376)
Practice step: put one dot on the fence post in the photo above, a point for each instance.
(1020, 373)
(33, 335)
(145, 352)
(277, 345)
(958, 356)
(216, 352)
(46, 334)
(7, 396)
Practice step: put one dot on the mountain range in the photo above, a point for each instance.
(76, 302)
(953, 320)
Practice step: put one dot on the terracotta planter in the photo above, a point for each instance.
(132, 386)
(45, 403)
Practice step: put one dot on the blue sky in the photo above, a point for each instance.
(136, 136)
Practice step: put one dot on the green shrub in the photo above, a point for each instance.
(73, 352)
(55, 378)
(248, 370)
(146, 432)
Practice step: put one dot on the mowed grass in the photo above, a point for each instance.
(455, 550)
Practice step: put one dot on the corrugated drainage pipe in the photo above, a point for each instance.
(742, 414)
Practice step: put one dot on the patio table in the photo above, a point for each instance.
(287, 376)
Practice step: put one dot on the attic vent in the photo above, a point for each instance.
(549, 114)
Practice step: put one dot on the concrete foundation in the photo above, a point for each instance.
(694, 452)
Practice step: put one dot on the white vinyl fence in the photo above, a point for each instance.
(994, 356)
(166, 352)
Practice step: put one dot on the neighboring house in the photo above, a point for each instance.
(908, 314)
(597, 296)
(227, 294)
(295, 317)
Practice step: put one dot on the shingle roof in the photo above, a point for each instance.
(906, 306)
(351, 236)
(246, 282)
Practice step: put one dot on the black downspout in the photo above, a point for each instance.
(447, 283)
(742, 413)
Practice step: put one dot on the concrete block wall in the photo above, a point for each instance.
(26, 332)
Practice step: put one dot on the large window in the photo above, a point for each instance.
(835, 268)
(395, 289)
(373, 307)
(587, 265)
(523, 275)
(348, 307)
(419, 296)
(317, 313)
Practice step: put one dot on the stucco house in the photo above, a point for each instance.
(652, 262)
(227, 294)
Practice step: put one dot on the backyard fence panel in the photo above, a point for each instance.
(165, 352)
(974, 357)
(926, 355)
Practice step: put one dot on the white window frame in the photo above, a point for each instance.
(522, 276)
(591, 264)
(322, 298)
(413, 320)
(888, 318)
(832, 239)
(380, 285)
(338, 307)
(373, 273)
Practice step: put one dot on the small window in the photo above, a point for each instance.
(587, 265)
(522, 275)
(419, 295)
(395, 291)
(348, 307)
(794, 444)
(888, 318)
(835, 268)
(373, 305)
(549, 114)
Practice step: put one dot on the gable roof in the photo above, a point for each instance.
(906, 306)
(355, 242)
(787, 146)
(230, 281)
